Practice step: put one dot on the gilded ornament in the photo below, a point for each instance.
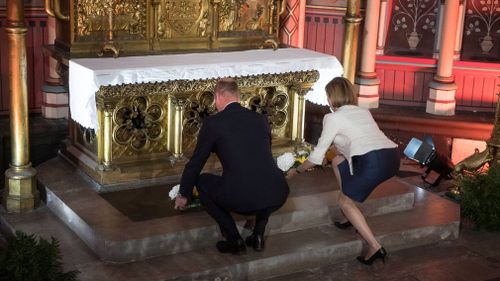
(92, 19)
(161, 120)
(138, 124)
(490, 155)
(181, 16)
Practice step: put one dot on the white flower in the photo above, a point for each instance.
(286, 161)
(174, 191)
(302, 153)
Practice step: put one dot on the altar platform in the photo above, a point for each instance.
(105, 243)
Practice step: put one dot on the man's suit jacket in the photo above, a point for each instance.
(241, 139)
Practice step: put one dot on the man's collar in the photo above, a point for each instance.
(229, 104)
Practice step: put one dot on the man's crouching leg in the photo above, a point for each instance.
(209, 186)
(256, 240)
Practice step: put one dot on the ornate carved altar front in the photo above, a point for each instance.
(147, 129)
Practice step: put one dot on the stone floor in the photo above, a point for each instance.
(475, 255)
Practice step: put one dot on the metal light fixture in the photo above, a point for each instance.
(424, 152)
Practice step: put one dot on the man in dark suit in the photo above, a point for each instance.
(251, 182)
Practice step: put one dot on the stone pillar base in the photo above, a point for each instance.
(55, 102)
(441, 98)
(367, 89)
(21, 189)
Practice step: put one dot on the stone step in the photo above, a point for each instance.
(431, 220)
(115, 237)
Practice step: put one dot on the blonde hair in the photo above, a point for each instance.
(227, 86)
(340, 92)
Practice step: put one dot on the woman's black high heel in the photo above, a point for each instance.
(343, 225)
(380, 254)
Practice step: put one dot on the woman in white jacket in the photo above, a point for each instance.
(364, 159)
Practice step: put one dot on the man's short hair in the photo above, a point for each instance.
(226, 86)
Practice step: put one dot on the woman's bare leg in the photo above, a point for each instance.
(354, 215)
(335, 162)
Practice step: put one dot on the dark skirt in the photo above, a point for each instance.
(370, 170)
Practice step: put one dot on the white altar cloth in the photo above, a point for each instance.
(87, 75)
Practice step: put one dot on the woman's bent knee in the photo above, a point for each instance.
(344, 201)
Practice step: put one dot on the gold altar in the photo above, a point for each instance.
(87, 28)
(146, 130)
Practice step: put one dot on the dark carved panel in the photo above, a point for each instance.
(481, 36)
(412, 28)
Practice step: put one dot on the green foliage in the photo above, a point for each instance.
(27, 258)
(480, 200)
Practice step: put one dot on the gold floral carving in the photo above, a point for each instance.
(184, 17)
(135, 27)
(140, 118)
(138, 123)
(177, 87)
(245, 15)
(92, 19)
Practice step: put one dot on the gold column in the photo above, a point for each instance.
(107, 136)
(298, 93)
(20, 177)
(350, 50)
(176, 112)
(104, 135)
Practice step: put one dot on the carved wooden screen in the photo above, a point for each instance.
(412, 28)
(481, 36)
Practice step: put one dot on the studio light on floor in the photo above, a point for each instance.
(425, 153)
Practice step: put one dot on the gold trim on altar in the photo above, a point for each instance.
(146, 130)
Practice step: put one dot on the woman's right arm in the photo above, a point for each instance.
(330, 130)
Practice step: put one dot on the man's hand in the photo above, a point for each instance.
(180, 202)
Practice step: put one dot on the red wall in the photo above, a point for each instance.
(404, 84)
(478, 84)
(37, 36)
(324, 31)
(404, 80)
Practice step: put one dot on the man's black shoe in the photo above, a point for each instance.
(234, 247)
(256, 241)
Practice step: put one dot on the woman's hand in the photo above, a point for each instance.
(291, 173)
